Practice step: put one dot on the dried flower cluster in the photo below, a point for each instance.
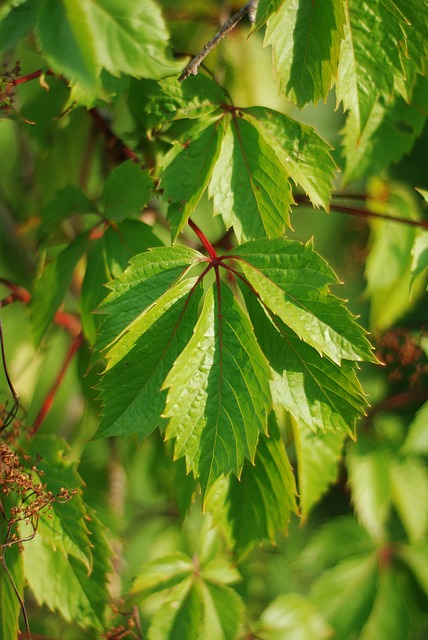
(23, 498)
(406, 362)
(7, 87)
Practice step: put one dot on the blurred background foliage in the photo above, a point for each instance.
(356, 566)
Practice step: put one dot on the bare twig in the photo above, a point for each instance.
(250, 8)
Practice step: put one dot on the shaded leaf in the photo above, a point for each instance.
(306, 37)
(50, 289)
(223, 611)
(126, 191)
(248, 184)
(155, 103)
(16, 23)
(69, 201)
(218, 396)
(265, 9)
(187, 169)
(265, 496)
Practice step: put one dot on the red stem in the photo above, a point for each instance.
(204, 240)
(372, 214)
(48, 401)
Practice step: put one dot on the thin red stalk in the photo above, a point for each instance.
(48, 401)
(63, 319)
(28, 77)
(372, 214)
(204, 240)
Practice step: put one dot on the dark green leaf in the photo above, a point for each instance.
(154, 103)
(50, 289)
(264, 496)
(68, 202)
(17, 23)
(187, 170)
(178, 617)
(126, 192)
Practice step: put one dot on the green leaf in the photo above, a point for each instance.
(16, 24)
(50, 289)
(345, 594)
(187, 169)
(68, 202)
(264, 496)
(316, 391)
(368, 468)
(292, 617)
(140, 360)
(389, 132)
(416, 558)
(388, 265)
(148, 277)
(390, 616)
(126, 192)
(160, 575)
(409, 480)
(417, 436)
(367, 71)
(318, 456)
(178, 617)
(306, 37)
(108, 257)
(264, 10)
(419, 254)
(9, 604)
(218, 395)
(63, 583)
(223, 611)
(291, 280)
(248, 184)
(65, 528)
(303, 154)
(120, 38)
(155, 103)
